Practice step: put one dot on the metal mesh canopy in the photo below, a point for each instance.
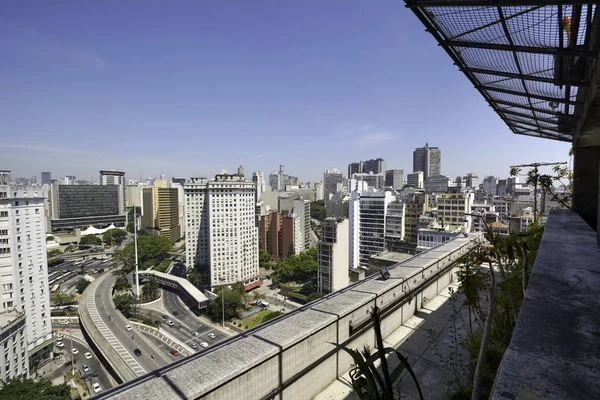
(529, 61)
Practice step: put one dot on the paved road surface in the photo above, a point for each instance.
(121, 338)
(185, 322)
(96, 373)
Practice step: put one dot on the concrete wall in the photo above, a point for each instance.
(293, 356)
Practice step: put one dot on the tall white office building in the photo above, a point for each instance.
(23, 265)
(222, 230)
(368, 212)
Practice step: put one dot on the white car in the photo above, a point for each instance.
(86, 368)
(211, 335)
(170, 323)
(64, 322)
(194, 333)
(128, 327)
(74, 351)
(60, 336)
(88, 355)
(194, 345)
(204, 344)
(59, 344)
(96, 387)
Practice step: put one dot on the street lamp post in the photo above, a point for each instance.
(222, 302)
(137, 276)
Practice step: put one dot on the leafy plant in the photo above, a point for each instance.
(366, 379)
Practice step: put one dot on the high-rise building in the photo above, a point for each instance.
(437, 184)
(180, 181)
(222, 229)
(472, 181)
(23, 274)
(394, 178)
(375, 181)
(354, 168)
(331, 179)
(46, 178)
(375, 166)
(14, 358)
(427, 159)
(415, 180)
(160, 210)
(489, 185)
(452, 207)
(416, 204)
(79, 206)
(394, 225)
(115, 177)
(367, 214)
(318, 187)
(258, 178)
(332, 259)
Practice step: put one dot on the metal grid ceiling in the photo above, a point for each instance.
(527, 61)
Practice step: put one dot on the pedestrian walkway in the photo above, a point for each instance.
(426, 339)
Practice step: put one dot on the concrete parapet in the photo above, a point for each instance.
(293, 356)
(554, 352)
(99, 343)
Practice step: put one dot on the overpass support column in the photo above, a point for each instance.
(586, 185)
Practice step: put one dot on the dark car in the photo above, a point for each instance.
(174, 352)
(158, 322)
(175, 313)
(137, 352)
(165, 316)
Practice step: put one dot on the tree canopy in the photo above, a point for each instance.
(81, 285)
(194, 277)
(91, 240)
(317, 210)
(264, 259)
(114, 236)
(150, 289)
(298, 267)
(62, 299)
(233, 302)
(19, 389)
(152, 250)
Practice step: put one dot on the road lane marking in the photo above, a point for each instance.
(110, 337)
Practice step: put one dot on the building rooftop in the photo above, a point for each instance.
(6, 317)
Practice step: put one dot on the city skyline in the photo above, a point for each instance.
(169, 101)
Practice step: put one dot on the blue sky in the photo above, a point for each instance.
(193, 87)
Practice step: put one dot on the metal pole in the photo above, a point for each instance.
(137, 276)
(72, 355)
(535, 195)
(223, 304)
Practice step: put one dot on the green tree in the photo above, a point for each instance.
(122, 284)
(298, 267)
(194, 277)
(232, 300)
(152, 250)
(91, 240)
(53, 252)
(317, 210)
(264, 259)
(114, 236)
(150, 289)
(61, 299)
(19, 389)
(130, 227)
(124, 303)
(82, 284)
